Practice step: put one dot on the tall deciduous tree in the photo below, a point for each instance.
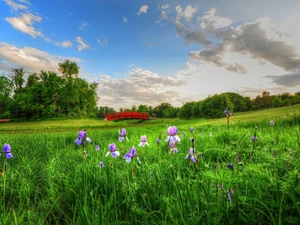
(69, 69)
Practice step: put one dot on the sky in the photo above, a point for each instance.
(150, 52)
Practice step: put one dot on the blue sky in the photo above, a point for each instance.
(149, 52)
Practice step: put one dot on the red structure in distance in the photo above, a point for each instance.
(126, 115)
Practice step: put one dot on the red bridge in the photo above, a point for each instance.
(126, 115)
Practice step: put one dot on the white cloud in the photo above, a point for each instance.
(139, 87)
(32, 59)
(125, 20)
(187, 13)
(143, 9)
(25, 24)
(66, 44)
(211, 19)
(82, 45)
(15, 6)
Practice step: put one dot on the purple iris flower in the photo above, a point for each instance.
(230, 166)
(272, 122)
(82, 139)
(97, 148)
(191, 155)
(131, 154)
(7, 151)
(143, 141)
(254, 138)
(113, 150)
(172, 134)
(173, 147)
(101, 165)
(192, 129)
(122, 135)
(226, 112)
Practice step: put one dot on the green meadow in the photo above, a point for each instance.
(49, 181)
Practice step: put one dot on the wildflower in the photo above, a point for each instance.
(82, 139)
(173, 134)
(254, 138)
(191, 155)
(101, 165)
(97, 148)
(272, 122)
(173, 147)
(131, 154)
(7, 151)
(192, 129)
(210, 134)
(123, 135)
(113, 150)
(227, 112)
(143, 141)
(230, 166)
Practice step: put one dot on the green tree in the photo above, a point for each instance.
(277, 102)
(6, 87)
(69, 69)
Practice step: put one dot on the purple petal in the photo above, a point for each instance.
(78, 141)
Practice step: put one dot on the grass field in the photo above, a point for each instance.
(48, 181)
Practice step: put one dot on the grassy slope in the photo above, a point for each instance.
(75, 124)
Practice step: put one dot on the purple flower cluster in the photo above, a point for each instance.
(7, 151)
(143, 141)
(82, 138)
(113, 151)
(122, 135)
(132, 154)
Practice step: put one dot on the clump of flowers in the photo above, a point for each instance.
(122, 135)
(7, 151)
(101, 165)
(83, 140)
(113, 151)
(191, 155)
(173, 138)
(143, 141)
(132, 154)
(172, 133)
(227, 113)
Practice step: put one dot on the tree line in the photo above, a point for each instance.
(212, 106)
(48, 95)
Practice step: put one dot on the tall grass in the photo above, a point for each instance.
(49, 182)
